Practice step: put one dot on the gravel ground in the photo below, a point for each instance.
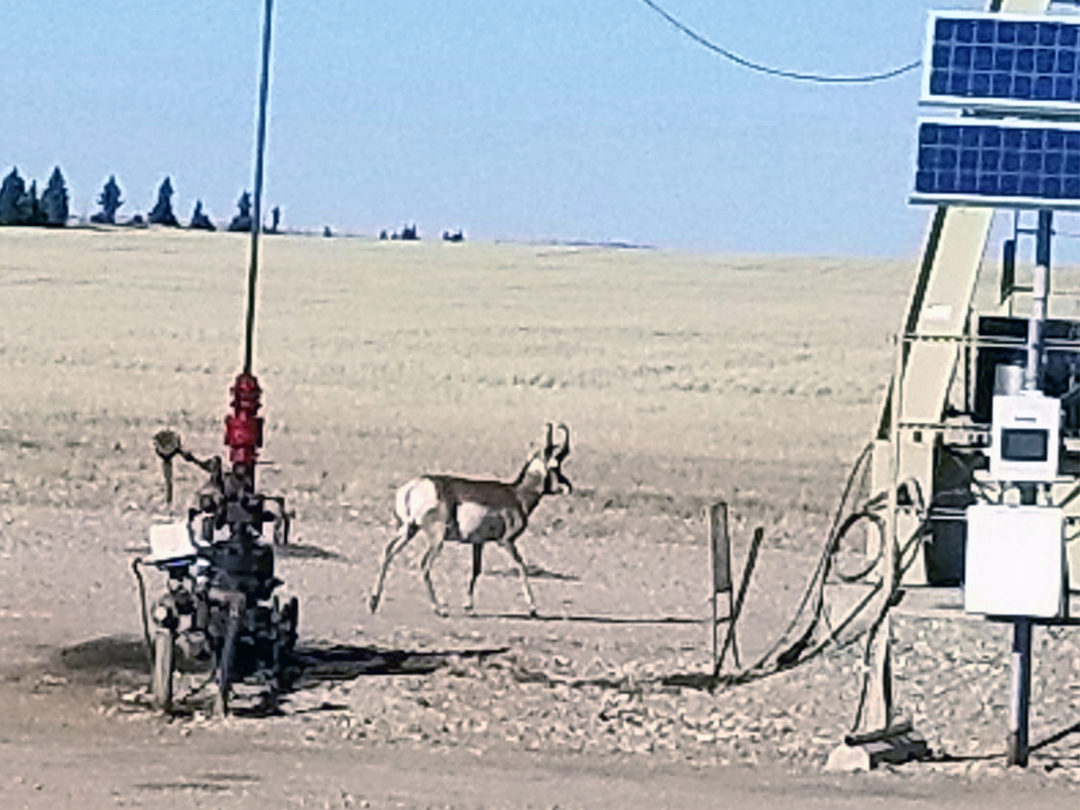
(561, 686)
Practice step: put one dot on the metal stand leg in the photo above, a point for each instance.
(879, 691)
(1021, 693)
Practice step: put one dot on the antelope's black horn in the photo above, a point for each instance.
(549, 445)
(564, 451)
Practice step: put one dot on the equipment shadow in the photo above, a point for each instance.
(102, 656)
(314, 665)
(124, 661)
(589, 619)
(1035, 749)
(308, 551)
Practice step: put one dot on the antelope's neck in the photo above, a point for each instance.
(529, 492)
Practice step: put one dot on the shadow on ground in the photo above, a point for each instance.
(587, 619)
(103, 659)
(344, 662)
(124, 662)
(298, 551)
(104, 654)
(535, 572)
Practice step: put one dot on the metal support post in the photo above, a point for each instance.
(1040, 291)
(1020, 697)
(256, 221)
(720, 566)
(736, 609)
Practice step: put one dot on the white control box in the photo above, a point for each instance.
(1014, 561)
(170, 541)
(1025, 437)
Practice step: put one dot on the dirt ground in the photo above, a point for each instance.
(683, 379)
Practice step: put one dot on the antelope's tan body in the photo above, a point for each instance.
(466, 510)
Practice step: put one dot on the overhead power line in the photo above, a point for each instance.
(820, 78)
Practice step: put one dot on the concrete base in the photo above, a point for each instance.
(864, 752)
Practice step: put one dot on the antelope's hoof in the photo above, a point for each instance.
(468, 607)
(533, 614)
(442, 611)
(374, 603)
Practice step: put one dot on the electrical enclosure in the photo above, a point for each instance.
(1014, 562)
(1025, 440)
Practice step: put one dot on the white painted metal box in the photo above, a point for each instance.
(1014, 561)
(1026, 434)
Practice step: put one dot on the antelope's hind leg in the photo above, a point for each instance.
(393, 548)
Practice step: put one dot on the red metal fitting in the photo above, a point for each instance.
(243, 428)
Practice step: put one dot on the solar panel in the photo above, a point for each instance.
(1008, 164)
(1002, 61)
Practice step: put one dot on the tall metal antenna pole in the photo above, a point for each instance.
(256, 223)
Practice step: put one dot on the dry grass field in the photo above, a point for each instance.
(684, 379)
(680, 375)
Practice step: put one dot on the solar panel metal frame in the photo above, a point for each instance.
(1056, 108)
(993, 201)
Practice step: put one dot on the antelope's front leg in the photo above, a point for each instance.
(512, 550)
(477, 566)
(436, 544)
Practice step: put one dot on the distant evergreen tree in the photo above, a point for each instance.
(110, 202)
(242, 221)
(162, 213)
(54, 201)
(29, 208)
(12, 191)
(199, 220)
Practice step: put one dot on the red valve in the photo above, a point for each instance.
(243, 428)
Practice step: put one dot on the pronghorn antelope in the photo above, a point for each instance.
(465, 510)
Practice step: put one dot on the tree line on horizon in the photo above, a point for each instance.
(20, 205)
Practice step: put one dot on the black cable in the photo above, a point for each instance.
(803, 649)
(783, 74)
(815, 586)
(853, 519)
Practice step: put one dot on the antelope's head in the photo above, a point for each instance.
(555, 482)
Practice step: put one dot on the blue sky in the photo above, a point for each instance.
(513, 120)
